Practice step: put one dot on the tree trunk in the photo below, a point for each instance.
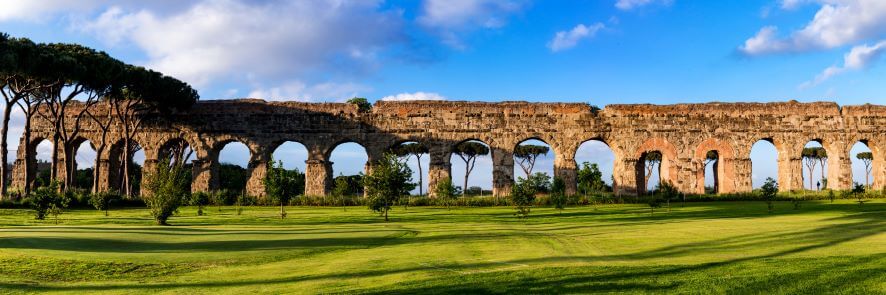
(420, 178)
(867, 175)
(54, 165)
(70, 154)
(465, 187)
(126, 186)
(96, 173)
(4, 151)
(27, 135)
(811, 185)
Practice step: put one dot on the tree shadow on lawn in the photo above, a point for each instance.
(863, 223)
(611, 279)
(857, 272)
(700, 211)
(189, 231)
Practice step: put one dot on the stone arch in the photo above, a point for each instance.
(275, 146)
(72, 153)
(328, 149)
(336, 170)
(752, 147)
(604, 168)
(667, 168)
(119, 162)
(724, 168)
(33, 160)
(502, 165)
(551, 150)
(825, 171)
(876, 162)
(418, 164)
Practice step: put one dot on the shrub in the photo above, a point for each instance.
(858, 190)
(768, 192)
(446, 192)
(654, 202)
(389, 180)
(540, 182)
(522, 196)
(102, 200)
(281, 185)
(668, 192)
(168, 185)
(43, 199)
(199, 199)
(558, 194)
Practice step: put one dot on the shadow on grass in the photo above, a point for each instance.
(754, 273)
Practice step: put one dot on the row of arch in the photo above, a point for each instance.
(718, 176)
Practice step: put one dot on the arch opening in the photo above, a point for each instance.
(41, 162)
(815, 165)
(649, 171)
(764, 162)
(473, 159)
(349, 165)
(416, 156)
(595, 162)
(291, 156)
(125, 167)
(862, 160)
(711, 172)
(534, 161)
(233, 173)
(83, 166)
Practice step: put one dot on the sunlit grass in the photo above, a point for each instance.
(703, 247)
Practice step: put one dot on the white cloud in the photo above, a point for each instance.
(449, 18)
(38, 11)
(792, 4)
(764, 41)
(229, 39)
(300, 91)
(415, 96)
(860, 57)
(568, 39)
(837, 23)
(633, 4)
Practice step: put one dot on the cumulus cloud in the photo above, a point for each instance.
(837, 23)
(567, 39)
(218, 39)
(415, 96)
(860, 57)
(449, 18)
(300, 91)
(39, 10)
(633, 4)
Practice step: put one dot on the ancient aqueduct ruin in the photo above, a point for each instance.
(683, 133)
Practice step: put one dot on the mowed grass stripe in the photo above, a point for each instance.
(721, 247)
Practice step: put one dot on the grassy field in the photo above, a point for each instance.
(724, 247)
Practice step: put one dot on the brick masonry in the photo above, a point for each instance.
(682, 132)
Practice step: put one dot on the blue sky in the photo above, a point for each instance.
(599, 52)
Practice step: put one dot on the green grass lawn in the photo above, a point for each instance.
(724, 247)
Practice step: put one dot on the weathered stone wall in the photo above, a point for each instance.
(683, 133)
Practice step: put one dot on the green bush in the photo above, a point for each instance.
(168, 185)
(102, 201)
(390, 179)
(446, 191)
(46, 199)
(523, 196)
(199, 199)
(558, 194)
